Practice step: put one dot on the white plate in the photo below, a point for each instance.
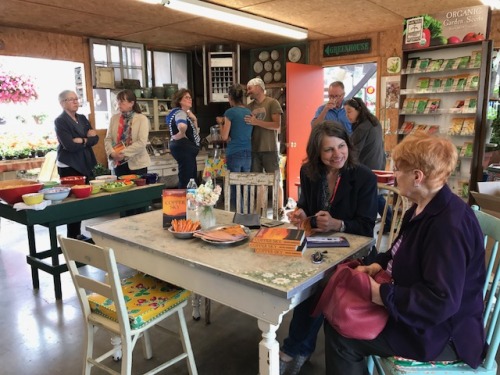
(277, 76)
(294, 54)
(277, 65)
(257, 67)
(264, 55)
(268, 66)
(268, 77)
(275, 54)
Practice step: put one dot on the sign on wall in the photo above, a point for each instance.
(454, 26)
(347, 48)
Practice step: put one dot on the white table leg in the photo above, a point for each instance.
(269, 349)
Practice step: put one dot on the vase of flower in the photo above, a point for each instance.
(206, 216)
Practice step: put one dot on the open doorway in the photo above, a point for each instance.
(360, 80)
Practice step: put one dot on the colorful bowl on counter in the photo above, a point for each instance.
(32, 198)
(81, 191)
(139, 181)
(151, 178)
(96, 185)
(56, 194)
(72, 180)
(128, 177)
(11, 191)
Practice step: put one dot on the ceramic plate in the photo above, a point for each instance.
(275, 54)
(264, 55)
(268, 66)
(247, 231)
(277, 76)
(181, 235)
(268, 77)
(118, 188)
(257, 67)
(294, 54)
(277, 65)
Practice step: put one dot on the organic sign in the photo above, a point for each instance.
(347, 48)
(462, 25)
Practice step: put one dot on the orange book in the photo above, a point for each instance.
(287, 236)
(119, 147)
(174, 205)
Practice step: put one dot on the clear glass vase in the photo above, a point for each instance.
(206, 216)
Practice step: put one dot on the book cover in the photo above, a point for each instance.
(411, 64)
(420, 128)
(422, 65)
(423, 83)
(173, 205)
(314, 242)
(468, 126)
(277, 246)
(435, 65)
(421, 105)
(448, 64)
(433, 129)
(448, 83)
(269, 251)
(279, 235)
(409, 105)
(407, 127)
(459, 82)
(464, 62)
(472, 82)
(119, 147)
(467, 150)
(456, 126)
(435, 84)
(432, 105)
(475, 60)
(470, 105)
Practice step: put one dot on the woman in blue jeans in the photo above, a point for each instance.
(342, 195)
(184, 136)
(237, 132)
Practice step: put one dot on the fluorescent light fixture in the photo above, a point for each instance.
(236, 17)
(493, 4)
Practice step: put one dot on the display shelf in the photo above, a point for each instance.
(449, 101)
(156, 110)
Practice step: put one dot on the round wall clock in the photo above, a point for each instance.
(294, 54)
(264, 55)
(277, 76)
(275, 54)
(268, 77)
(268, 66)
(277, 65)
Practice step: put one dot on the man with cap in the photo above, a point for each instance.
(333, 110)
(266, 120)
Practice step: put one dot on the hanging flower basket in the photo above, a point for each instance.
(16, 89)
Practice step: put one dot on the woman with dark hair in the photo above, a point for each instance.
(368, 140)
(127, 137)
(237, 132)
(341, 195)
(184, 136)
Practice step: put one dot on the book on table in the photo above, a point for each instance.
(338, 241)
(289, 236)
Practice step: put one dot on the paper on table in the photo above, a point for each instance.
(40, 206)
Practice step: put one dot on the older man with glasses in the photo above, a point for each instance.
(333, 110)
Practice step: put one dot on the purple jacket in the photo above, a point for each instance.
(439, 273)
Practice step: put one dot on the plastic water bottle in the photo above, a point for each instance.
(190, 204)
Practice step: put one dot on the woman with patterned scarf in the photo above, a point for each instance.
(127, 137)
(184, 136)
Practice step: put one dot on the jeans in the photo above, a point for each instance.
(240, 161)
(303, 330)
(184, 152)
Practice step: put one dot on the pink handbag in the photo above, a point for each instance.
(346, 303)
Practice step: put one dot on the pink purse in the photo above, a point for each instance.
(347, 306)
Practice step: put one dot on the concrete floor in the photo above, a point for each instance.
(42, 336)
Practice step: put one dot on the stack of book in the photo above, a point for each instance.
(279, 241)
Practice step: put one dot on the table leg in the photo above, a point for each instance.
(32, 249)
(269, 349)
(55, 261)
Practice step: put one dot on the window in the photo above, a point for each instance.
(126, 59)
(169, 67)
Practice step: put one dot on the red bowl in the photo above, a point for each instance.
(11, 191)
(139, 181)
(81, 191)
(72, 180)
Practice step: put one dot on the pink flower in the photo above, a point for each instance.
(15, 89)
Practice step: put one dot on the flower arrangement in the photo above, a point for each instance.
(16, 89)
(206, 194)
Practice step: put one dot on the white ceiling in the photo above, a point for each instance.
(162, 28)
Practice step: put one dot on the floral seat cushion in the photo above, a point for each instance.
(146, 298)
(402, 363)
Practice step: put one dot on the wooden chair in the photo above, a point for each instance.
(126, 318)
(248, 200)
(399, 206)
(248, 197)
(48, 170)
(490, 226)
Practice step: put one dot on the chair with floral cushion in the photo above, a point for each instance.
(126, 309)
(490, 226)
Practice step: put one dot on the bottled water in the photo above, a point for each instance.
(190, 204)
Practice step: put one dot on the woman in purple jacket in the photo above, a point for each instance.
(437, 262)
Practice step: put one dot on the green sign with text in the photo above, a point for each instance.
(347, 48)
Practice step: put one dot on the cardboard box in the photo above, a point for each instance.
(488, 197)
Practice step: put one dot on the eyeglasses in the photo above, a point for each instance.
(336, 96)
(71, 100)
(187, 97)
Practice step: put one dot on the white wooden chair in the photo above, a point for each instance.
(399, 206)
(490, 226)
(126, 319)
(248, 197)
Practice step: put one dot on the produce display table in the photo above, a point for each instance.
(69, 211)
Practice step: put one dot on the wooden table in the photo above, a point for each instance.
(69, 211)
(263, 286)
